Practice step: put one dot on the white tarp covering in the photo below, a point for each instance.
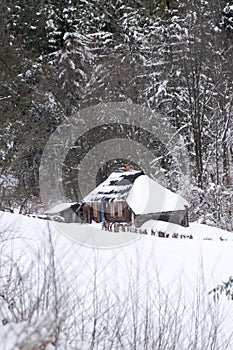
(147, 196)
(58, 208)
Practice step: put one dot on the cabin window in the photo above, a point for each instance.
(112, 209)
(120, 211)
(95, 210)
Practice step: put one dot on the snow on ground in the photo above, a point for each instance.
(145, 263)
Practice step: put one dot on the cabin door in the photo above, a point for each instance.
(87, 214)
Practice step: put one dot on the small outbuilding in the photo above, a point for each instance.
(63, 211)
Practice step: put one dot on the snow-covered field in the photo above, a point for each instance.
(149, 294)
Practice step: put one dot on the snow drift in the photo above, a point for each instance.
(153, 291)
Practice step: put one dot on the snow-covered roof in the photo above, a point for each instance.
(147, 196)
(58, 208)
(115, 188)
(143, 195)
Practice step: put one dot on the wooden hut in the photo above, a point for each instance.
(132, 197)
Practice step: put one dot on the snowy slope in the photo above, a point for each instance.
(198, 231)
(147, 265)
